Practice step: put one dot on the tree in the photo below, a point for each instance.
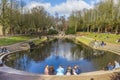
(4, 19)
(104, 17)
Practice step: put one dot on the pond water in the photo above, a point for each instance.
(60, 52)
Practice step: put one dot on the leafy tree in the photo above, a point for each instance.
(104, 17)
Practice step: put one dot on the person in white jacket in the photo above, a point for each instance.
(117, 65)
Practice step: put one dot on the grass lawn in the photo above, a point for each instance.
(12, 40)
(110, 38)
(84, 40)
(38, 41)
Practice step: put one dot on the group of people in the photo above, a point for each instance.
(4, 50)
(112, 65)
(98, 44)
(49, 70)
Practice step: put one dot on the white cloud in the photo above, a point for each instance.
(69, 6)
(62, 9)
(35, 4)
(116, 1)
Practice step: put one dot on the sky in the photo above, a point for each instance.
(62, 7)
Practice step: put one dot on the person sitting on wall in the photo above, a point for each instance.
(74, 70)
(78, 71)
(46, 70)
(51, 70)
(69, 71)
(60, 71)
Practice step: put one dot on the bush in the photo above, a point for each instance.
(70, 30)
(52, 31)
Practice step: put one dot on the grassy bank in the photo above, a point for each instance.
(84, 40)
(38, 41)
(110, 38)
(13, 40)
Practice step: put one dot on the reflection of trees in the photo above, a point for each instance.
(81, 51)
(98, 58)
(102, 61)
(18, 60)
(22, 60)
(41, 53)
(77, 52)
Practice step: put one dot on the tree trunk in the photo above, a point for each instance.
(3, 30)
(91, 29)
(75, 27)
(21, 31)
(88, 29)
(116, 30)
(105, 30)
(98, 30)
(11, 31)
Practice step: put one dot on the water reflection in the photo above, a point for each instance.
(60, 52)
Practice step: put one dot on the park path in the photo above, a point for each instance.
(115, 48)
(19, 46)
(16, 47)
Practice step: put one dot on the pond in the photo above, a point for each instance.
(60, 52)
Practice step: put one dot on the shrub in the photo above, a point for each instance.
(70, 30)
(52, 31)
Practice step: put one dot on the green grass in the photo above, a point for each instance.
(13, 40)
(110, 38)
(84, 40)
(38, 41)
